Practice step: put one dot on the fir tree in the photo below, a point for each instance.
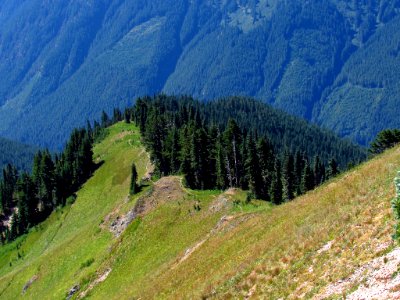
(221, 178)
(232, 141)
(288, 177)
(276, 185)
(253, 172)
(105, 120)
(333, 169)
(133, 186)
(127, 116)
(299, 168)
(319, 171)
(307, 180)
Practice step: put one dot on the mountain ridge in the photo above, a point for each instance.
(227, 248)
(76, 59)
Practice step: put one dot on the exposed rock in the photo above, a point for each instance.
(379, 280)
(29, 283)
(73, 291)
(165, 189)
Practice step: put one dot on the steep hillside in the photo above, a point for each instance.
(169, 242)
(366, 92)
(17, 154)
(65, 62)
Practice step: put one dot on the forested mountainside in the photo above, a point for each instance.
(63, 62)
(17, 154)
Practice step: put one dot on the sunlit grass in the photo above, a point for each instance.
(197, 244)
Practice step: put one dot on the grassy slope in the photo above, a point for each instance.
(72, 235)
(258, 248)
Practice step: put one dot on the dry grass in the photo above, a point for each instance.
(275, 254)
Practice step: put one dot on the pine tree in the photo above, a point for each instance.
(307, 180)
(266, 159)
(174, 152)
(105, 120)
(318, 170)
(276, 185)
(232, 141)
(133, 186)
(127, 116)
(221, 178)
(299, 168)
(333, 169)
(253, 172)
(288, 177)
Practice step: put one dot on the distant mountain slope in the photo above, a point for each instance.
(171, 242)
(65, 62)
(365, 95)
(17, 154)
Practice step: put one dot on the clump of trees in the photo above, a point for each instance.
(385, 139)
(27, 199)
(220, 157)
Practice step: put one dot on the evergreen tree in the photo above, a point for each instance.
(319, 171)
(266, 159)
(133, 186)
(127, 116)
(105, 120)
(221, 178)
(307, 180)
(333, 169)
(288, 177)
(276, 185)
(174, 152)
(14, 227)
(299, 168)
(253, 172)
(232, 141)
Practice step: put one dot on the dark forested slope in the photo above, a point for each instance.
(63, 62)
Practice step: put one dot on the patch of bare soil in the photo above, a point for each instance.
(121, 135)
(219, 203)
(222, 201)
(102, 277)
(377, 279)
(166, 189)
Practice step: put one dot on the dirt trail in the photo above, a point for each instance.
(102, 277)
(226, 223)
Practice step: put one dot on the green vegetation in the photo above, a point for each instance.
(198, 243)
(187, 137)
(26, 200)
(386, 139)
